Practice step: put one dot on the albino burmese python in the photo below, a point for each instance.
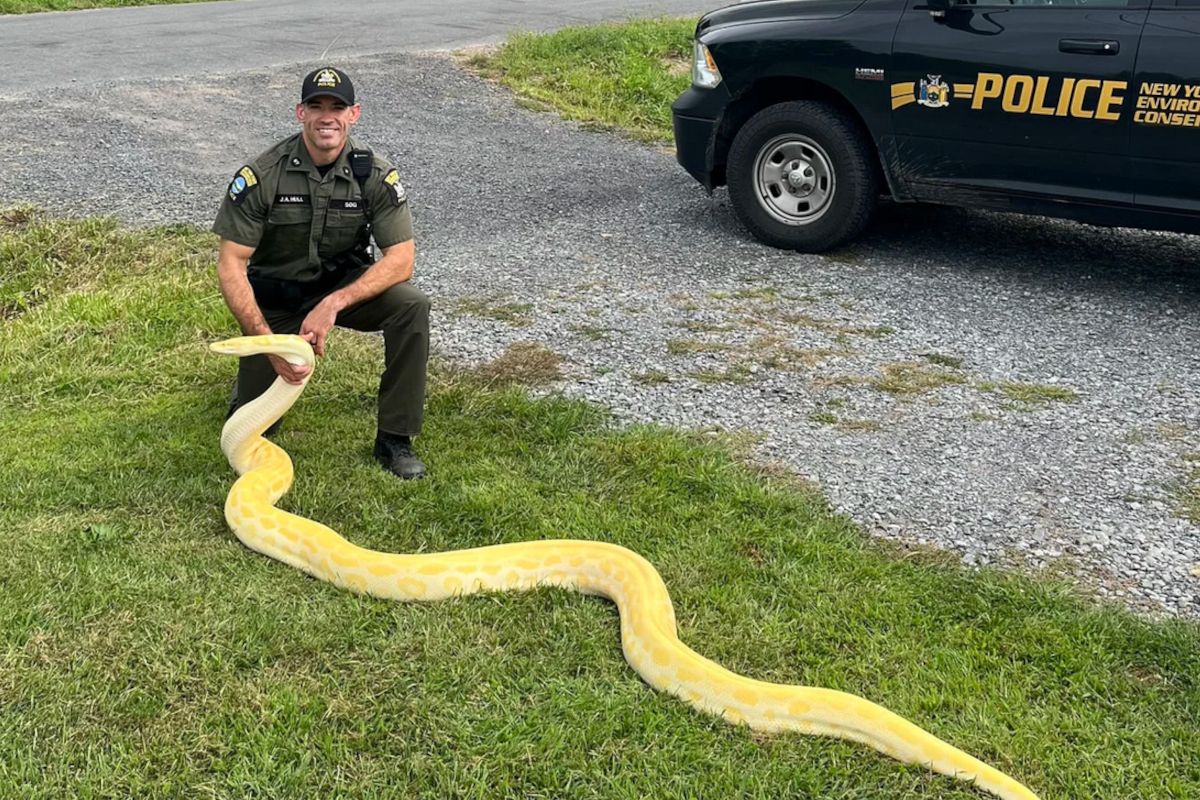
(647, 618)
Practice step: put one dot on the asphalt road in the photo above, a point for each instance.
(105, 45)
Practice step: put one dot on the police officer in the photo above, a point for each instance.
(295, 228)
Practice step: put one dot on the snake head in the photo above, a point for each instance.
(295, 349)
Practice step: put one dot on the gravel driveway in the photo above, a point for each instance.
(1018, 390)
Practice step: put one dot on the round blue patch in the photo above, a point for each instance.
(239, 183)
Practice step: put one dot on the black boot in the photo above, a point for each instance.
(395, 453)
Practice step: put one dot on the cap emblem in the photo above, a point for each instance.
(327, 79)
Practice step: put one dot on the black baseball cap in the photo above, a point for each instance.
(327, 81)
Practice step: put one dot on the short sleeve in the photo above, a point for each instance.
(243, 213)
(391, 220)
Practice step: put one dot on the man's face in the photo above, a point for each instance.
(325, 123)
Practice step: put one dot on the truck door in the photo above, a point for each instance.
(1166, 118)
(1028, 96)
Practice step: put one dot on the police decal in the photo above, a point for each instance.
(242, 183)
(392, 181)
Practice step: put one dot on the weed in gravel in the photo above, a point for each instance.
(941, 360)
(737, 374)
(836, 327)
(595, 333)
(1029, 396)
(1187, 491)
(851, 425)
(524, 363)
(776, 352)
(908, 378)
(901, 378)
(873, 331)
(682, 347)
(767, 293)
(1172, 431)
(497, 308)
(1163, 432)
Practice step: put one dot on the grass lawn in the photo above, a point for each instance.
(618, 76)
(29, 6)
(145, 652)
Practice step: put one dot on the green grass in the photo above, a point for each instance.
(1023, 396)
(497, 308)
(29, 6)
(617, 76)
(144, 652)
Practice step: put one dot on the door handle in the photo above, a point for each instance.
(1094, 47)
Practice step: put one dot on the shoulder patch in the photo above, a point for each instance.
(242, 183)
(392, 181)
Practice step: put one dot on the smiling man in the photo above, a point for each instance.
(296, 226)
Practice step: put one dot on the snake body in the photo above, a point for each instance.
(648, 634)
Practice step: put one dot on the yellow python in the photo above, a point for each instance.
(648, 633)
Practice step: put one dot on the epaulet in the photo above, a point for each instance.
(275, 154)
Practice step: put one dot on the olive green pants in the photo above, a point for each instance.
(402, 314)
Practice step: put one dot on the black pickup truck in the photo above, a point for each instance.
(810, 110)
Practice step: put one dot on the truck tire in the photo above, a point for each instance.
(801, 176)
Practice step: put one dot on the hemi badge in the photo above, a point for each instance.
(868, 74)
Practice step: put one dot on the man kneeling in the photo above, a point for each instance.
(295, 257)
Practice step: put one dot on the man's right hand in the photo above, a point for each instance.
(291, 374)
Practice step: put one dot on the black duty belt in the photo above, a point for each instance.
(278, 294)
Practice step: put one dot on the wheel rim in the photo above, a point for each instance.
(794, 179)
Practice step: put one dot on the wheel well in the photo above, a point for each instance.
(768, 92)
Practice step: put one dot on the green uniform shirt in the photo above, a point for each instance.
(297, 220)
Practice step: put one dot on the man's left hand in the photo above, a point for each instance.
(317, 324)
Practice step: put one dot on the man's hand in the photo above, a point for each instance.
(319, 323)
(290, 373)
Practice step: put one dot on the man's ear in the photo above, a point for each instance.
(355, 113)
(300, 112)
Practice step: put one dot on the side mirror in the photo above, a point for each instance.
(938, 8)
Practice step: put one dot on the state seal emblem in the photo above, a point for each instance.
(934, 92)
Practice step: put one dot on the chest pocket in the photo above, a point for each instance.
(290, 215)
(342, 227)
(285, 240)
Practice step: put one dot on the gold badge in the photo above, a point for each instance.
(327, 79)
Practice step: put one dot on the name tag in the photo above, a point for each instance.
(292, 200)
(347, 205)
